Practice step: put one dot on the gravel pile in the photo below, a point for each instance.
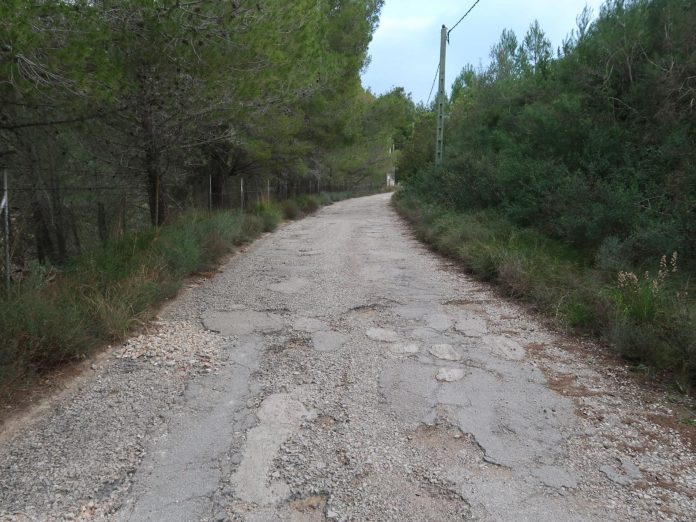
(182, 345)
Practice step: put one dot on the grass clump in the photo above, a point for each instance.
(291, 209)
(305, 204)
(308, 204)
(324, 198)
(270, 213)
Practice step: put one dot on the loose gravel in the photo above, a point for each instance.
(340, 371)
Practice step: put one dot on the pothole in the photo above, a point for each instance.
(242, 322)
(294, 342)
(312, 504)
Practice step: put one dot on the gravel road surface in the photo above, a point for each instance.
(337, 370)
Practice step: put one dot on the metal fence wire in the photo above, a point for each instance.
(48, 222)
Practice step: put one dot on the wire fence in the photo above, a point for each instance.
(48, 222)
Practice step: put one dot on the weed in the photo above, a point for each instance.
(290, 209)
(308, 204)
(271, 214)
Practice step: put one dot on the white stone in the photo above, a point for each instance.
(405, 349)
(450, 374)
(382, 335)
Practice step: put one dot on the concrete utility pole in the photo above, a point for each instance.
(439, 144)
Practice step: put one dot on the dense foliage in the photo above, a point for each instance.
(594, 147)
(119, 113)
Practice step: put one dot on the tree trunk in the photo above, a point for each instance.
(75, 233)
(44, 244)
(101, 223)
(158, 209)
(153, 173)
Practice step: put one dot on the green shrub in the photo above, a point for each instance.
(308, 204)
(271, 214)
(324, 198)
(179, 248)
(252, 226)
(290, 209)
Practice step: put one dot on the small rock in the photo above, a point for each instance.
(382, 335)
(404, 349)
(450, 374)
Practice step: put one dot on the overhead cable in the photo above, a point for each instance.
(433, 87)
(462, 18)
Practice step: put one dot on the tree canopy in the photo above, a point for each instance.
(594, 144)
(126, 110)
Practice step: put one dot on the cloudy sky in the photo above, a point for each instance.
(406, 47)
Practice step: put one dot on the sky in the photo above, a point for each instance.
(405, 49)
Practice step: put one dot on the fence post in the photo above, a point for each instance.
(241, 192)
(5, 205)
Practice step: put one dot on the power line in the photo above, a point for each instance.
(433, 87)
(462, 18)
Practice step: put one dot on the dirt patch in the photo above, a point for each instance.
(292, 343)
(567, 385)
(326, 422)
(440, 437)
(687, 433)
(475, 305)
(535, 347)
(309, 504)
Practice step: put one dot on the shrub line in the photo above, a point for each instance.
(649, 319)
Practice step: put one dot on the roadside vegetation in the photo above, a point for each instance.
(61, 315)
(144, 139)
(120, 115)
(570, 177)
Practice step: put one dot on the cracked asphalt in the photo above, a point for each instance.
(338, 370)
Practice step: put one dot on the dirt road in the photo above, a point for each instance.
(338, 370)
